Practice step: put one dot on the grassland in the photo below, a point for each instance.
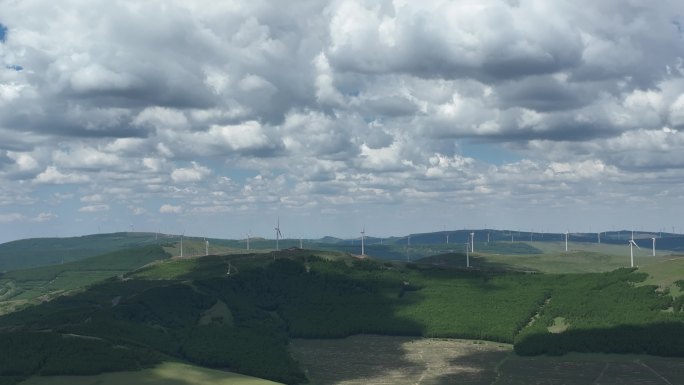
(665, 273)
(552, 258)
(370, 359)
(169, 373)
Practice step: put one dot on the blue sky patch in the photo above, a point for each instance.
(3, 33)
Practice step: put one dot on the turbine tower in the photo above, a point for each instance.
(599, 237)
(566, 241)
(408, 245)
(278, 234)
(206, 247)
(472, 242)
(182, 244)
(467, 254)
(653, 246)
(363, 235)
(247, 241)
(631, 250)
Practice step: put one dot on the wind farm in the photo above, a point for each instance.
(420, 263)
(527, 268)
(341, 192)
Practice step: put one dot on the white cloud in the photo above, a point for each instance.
(188, 175)
(170, 209)
(52, 175)
(319, 106)
(94, 208)
(11, 217)
(92, 198)
(44, 217)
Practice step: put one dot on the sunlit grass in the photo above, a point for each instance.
(167, 373)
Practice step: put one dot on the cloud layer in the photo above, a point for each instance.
(407, 116)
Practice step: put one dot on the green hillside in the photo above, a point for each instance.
(164, 374)
(27, 253)
(21, 287)
(194, 310)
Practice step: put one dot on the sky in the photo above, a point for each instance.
(216, 118)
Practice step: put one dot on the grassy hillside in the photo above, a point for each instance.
(164, 374)
(665, 273)
(27, 253)
(19, 286)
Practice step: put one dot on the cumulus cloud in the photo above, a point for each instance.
(321, 105)
(170, 209)
(52, 175)
(94, 208)
(191, 174)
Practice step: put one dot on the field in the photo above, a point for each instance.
(164, 374)
(665, 273)
(369, 359)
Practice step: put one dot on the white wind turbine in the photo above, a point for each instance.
(566, 241)
(467, 254)
(472, 242)
(248, 241)
(631, 250)
(653, 246)
(408, 246)
(363, 235)
(206, 247)
(278, 234)
(182, 244)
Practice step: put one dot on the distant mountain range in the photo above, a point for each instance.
(36, 252)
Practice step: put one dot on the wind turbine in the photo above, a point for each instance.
(206, 247)
(182, 244)
(472, 242)
(278, 234)
(467, 255)
(247, 241)
(599, 237)
(566, 241)
(363, 235)
(408, 245)
(631, 250)
(301, 243)
(653, 246)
